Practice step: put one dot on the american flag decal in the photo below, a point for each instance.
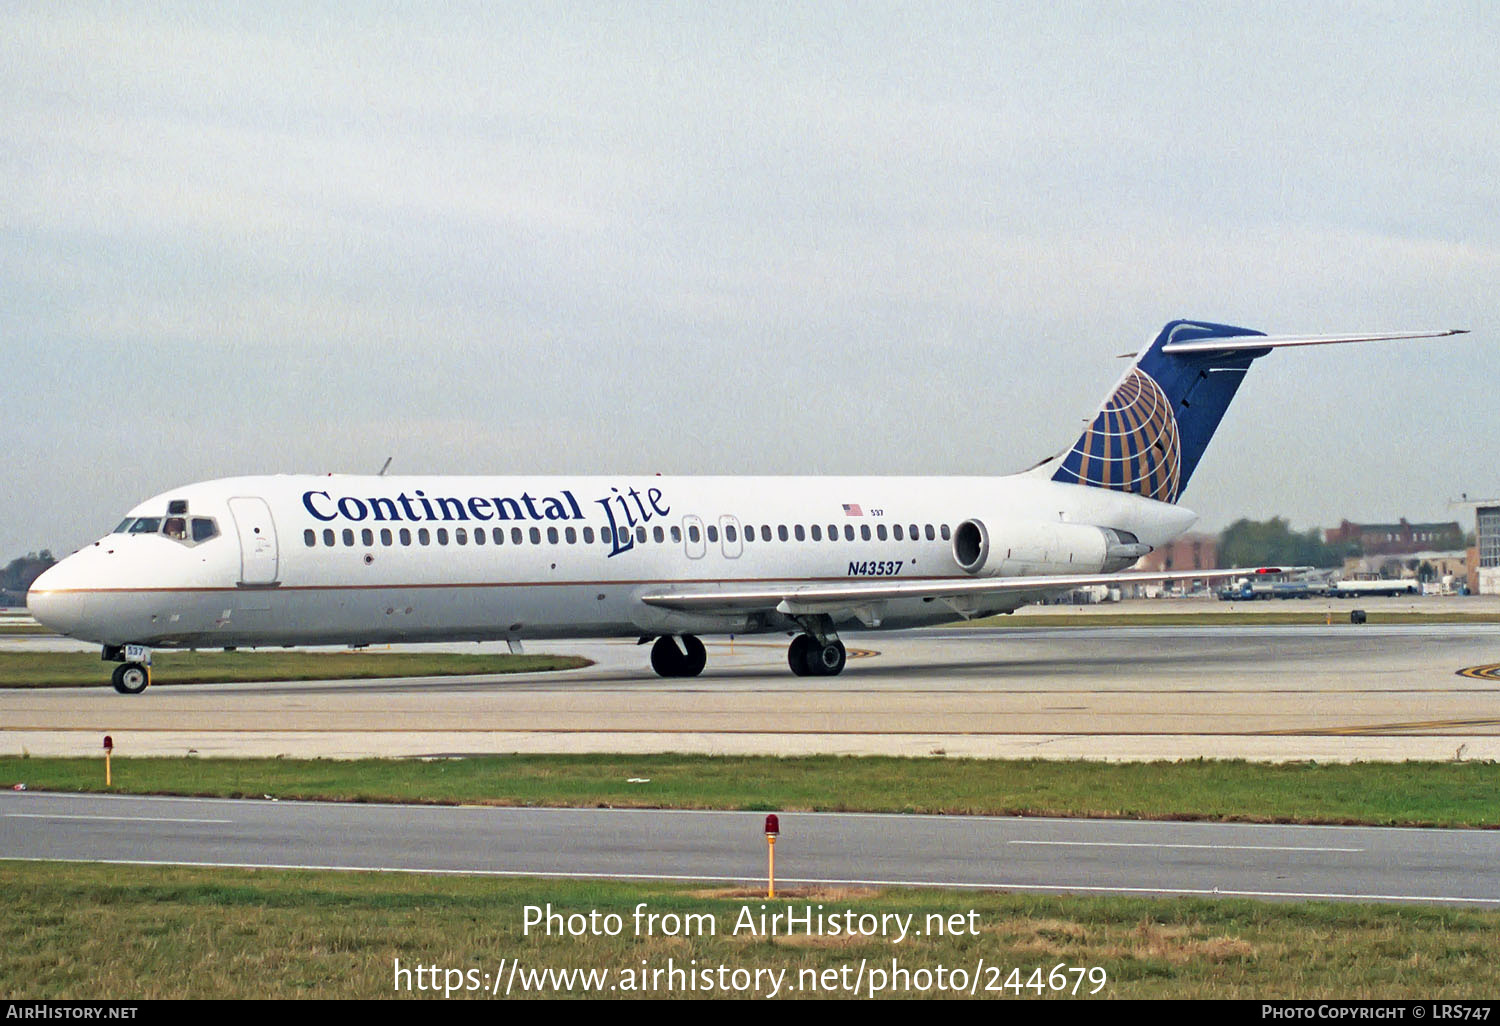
(851, 509)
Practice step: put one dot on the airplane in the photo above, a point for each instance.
(294, 560)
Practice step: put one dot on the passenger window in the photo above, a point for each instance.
(640, 535)
(588, 536)
(460, 536)
(730, 534)
(864, 531)
(478, 536)
(349, 536)
(551, 536)
(713, 533)
(692, 532)
(946, 533)
(310, 537)
(817, 532)
(781, 532)
(442, 536)
(930, 534)
(385, 536)
(571, 536)
(405, 536)
(749, 532)
(204, 529)
(833, 532)
(423, 536)
(677, 534)
(798, 533)
(328, 536)
(622, 536)
(848, 532)
(536, 536)
(367, 536)
(499, 535)
(880, 531)
(515, 535)
(765, 532)
(658, 534)
(897, 531)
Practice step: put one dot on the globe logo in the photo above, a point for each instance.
(1133, 445)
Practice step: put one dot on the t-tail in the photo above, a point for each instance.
(1156, 423)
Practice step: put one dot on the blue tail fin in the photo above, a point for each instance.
(1155, 425)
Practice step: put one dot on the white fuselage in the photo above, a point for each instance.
(299, 560)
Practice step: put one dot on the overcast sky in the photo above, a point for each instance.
(722, 238)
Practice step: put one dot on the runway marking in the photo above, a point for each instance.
(998, 885)
(1208, 847)
(1376, 729)
(122, 819)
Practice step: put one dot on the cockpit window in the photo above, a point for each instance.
(175, 528)
(145, 525)
(204, 529)
(124, 525)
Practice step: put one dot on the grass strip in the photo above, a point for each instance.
(78, 931)
(1465, 794)
(85, 669)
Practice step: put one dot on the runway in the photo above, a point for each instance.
(1330, 693)
(1455, 867)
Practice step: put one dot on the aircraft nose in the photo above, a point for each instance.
(52, 604)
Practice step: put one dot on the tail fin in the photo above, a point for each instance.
(1156, 423)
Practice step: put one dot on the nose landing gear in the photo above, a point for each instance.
(131, 678)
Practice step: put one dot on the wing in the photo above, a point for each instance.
(862, 598)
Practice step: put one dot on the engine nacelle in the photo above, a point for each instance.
(1033, 549)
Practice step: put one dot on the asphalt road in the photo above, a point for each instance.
(1331, 693)
(1074, 856)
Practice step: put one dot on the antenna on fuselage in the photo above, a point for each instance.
(386, 466)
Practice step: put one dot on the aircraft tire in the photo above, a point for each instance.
(828, 660)
(799, 655)
(666, 660)
(697, 656)
(130, 678)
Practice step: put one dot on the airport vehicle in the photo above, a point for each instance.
(355, 560)
(1360, 589)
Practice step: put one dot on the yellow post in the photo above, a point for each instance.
(108, 780)
(773, 827)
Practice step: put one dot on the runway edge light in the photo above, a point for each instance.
(773, 828)
(109, 748)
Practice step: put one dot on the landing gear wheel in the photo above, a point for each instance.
(799, 655)
(827, 660)
(697, 656)
(131, 678)
(666, 660)
(669, 661)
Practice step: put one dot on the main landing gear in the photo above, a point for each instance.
(670, 660)
(809, 658)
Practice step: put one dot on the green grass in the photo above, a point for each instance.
(1405, 794)
(83, 669)
(86, 931)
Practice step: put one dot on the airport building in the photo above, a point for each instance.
(1487, 549)
(1400, 538)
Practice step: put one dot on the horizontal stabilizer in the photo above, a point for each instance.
(1242, 342)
